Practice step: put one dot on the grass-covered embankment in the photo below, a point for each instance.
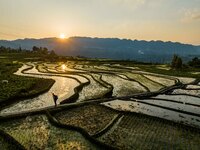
(184, 72)
(19, 87)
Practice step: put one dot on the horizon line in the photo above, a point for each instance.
(165, 41)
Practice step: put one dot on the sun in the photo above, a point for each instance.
(62, 36)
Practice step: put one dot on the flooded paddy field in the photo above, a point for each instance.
(146, 107)
(123, 87)
(108, 106)
(64, 87)
(93, 90)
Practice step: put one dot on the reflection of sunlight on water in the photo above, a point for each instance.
(134, 106)
(62, 90)
(63, 67)
(63, 87)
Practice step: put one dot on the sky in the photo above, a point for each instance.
(166, 20)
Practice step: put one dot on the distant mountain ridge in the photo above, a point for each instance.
(114, 48)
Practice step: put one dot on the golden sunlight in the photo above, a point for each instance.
(63, 67)
(62, 36)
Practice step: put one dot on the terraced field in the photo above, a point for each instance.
(35, 132)
(104, 106)
(90, 92)
(141, 132)
(92, 118)
(123, 87)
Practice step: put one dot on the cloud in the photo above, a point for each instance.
(190, 15)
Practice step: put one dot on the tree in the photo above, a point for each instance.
(52, 53)
(35, 49)
(176, 62)
(19, 49)
(195, 62)
(173, 63)
(52, 56)
(179, 63)
(44, 51)
(3, 49)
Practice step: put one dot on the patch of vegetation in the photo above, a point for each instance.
(35, 132)
(36, 54)
(184, 72)
(14, 87)
(176, 62)
(92, 118)
(137, 131)
(195, 62)
(176, 68)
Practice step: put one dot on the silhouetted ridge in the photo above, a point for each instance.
(114, 48)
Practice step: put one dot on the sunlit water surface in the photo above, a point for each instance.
(63, 87)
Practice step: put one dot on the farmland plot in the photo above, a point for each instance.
(64, 87)
(193, 87)
(161, 80)
(180, 98)
(185, 80)
(141, 132)
(151, 85)
(93, 90)
(41, 68)
(123, 87)
(189, 92)
(173, 105)
(92, 118)
(65, 68)
(35, 132)
(108, 68)
(125, 67)
(152, 110)
(116, 105)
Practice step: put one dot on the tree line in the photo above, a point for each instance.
(43, 51)
(35, 50)
(12, 50)
(177, 62)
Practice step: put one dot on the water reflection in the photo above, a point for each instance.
(63, 87)
(136, 106)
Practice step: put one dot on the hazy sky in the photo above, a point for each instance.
(174, 20)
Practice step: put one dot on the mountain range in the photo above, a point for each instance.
(112, 48)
